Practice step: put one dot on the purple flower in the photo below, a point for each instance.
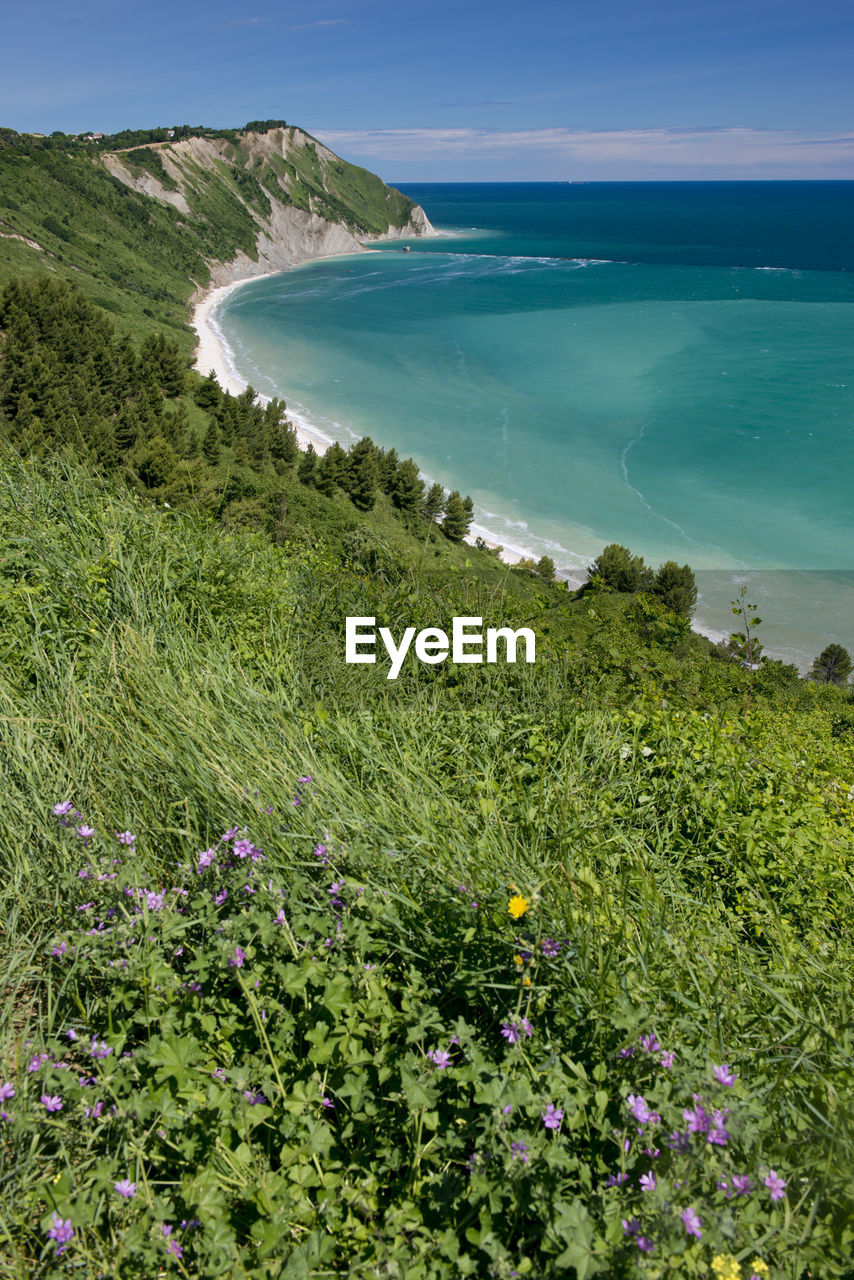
(549, 948)
(206, 858)
(38, 1061)
(526, 1026)
(254, 1099)
(243, 848)
(328, 1103)
(776, 1185)
(510, 1031)
(220, 898)
(639, 1108)
(280, 918)
(717, 1131)
(61, 1231)
(303, 782)
(6, 1091)
(628, 1052)
(85, 833)
(125, 1188)
(61, 809)
(440, 1058)
(521, 1150)
(552, 1116)
(125, 837)
(724, 1076)
(649, 1044)
(92, 1113)
(692, 1222)
(666, 1061)
(236, 961)
(648, 1182)
(172, 1246)
(645, 1244)
(698, 1120)
(59, 949)
(616, 1179)
(99, 1048)
(51, 1101)
(631, 1226)
(678, 1141)
(154, 901)
(741, 1184)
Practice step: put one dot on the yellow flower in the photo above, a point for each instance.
(518, 960)
(518, 906)
(725, 1267)
(526, 981)
(759, 1268)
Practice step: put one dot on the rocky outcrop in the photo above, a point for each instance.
(301, 179)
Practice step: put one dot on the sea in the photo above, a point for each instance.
(669, 366)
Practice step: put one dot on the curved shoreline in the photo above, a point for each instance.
(214, 354)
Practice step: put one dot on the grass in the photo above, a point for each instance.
(155, 669)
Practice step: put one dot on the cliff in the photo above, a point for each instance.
(304, 201)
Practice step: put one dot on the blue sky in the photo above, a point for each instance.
(551, 89)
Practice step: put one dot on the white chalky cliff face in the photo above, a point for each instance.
(314, 197)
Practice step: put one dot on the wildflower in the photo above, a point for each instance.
(510, 1031)
(647, 751)
(328, 1103)
(667, 1060)
(61, 809)
(726, 1267)
(649, 1044)
(92, 1113)
(59, 949)
(280, 918)
(243, 848)
(628, 1052)
(517, 906)
(440, 1058)
(526, 981)
(518, 960)
(639, 1108)
(724, 1076)
(254, 1099)
(549, 948)
(236, 961)
(521, 1150)
(678, 1142)
(625, 751)
(616, 1179)
(6, 1091)
(717, 1132)
(206, 858)
(220, 897)
(648, 1182)
(776, 1185)
(61, 1231)
(172, 1246)
(125, 837)
(51, 1101)
(527, 1027)
(692, 1222)
(759, 1269)
(741, 1184)
(85, 833)
(125, 1188)
(99, 1048)
(303, 782)
(631, 1226)
(645, 1244)
(154, 901)
(552, 1116)
(698, 1119)
(38, 1061)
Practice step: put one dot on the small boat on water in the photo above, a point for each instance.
(407, 249)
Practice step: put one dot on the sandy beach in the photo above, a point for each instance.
(213, 353)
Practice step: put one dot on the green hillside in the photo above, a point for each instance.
(517, 970)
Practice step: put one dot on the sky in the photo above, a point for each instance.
(548, 90)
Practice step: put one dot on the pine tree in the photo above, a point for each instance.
(832, 666)
(433, 502)
(408, 491)
(361, 479)
(307, 469)
(211, 448)
(456, 523)
(676, 588)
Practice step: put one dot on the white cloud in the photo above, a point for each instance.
(562, 152)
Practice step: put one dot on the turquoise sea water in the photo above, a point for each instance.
(666, 365)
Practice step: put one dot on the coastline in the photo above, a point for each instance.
(214, 354)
